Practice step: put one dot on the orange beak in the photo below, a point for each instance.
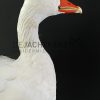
(67, 7)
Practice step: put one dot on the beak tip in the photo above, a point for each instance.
(79, 10)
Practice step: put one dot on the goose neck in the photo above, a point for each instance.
(28, 24)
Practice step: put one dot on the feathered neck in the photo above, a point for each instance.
(28, 23)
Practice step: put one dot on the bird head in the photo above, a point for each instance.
(45, 8)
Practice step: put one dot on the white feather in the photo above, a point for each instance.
(32, 75)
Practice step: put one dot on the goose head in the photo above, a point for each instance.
(53, 7)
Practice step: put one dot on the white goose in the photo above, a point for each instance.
(32, 75)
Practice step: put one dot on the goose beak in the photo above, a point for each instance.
(67, 7)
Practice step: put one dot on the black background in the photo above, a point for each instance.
(73, 41)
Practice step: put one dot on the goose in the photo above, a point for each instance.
(32, 76)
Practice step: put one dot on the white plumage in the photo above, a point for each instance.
(32, 75)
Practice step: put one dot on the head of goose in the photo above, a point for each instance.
(53, 7)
